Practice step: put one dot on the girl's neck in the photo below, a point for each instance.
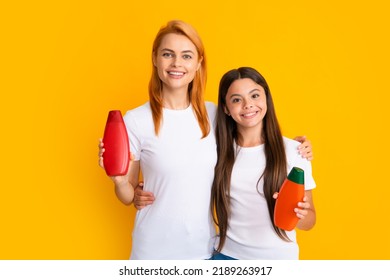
(250, 138)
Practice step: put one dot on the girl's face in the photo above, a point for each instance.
(246, 103)
(176, 61)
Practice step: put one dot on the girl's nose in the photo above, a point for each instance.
(248, 105)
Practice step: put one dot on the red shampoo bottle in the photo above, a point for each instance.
(116, 156)
(291, 192)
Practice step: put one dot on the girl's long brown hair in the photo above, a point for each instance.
(226, 133)
(197, 86)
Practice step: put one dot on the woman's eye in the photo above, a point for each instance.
(255, 95)
(167, 55)
(235, 100)
(186, 56)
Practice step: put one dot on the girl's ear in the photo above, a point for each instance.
(226, 111)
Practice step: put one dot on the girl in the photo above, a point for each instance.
(253, 161)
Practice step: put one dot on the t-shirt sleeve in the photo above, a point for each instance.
(306, 166)
(298, 161)
(134, 135)
(212, 113)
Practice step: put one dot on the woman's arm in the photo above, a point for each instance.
(305, 149)
(124, 185)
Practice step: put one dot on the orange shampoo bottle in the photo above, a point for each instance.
(291, 192)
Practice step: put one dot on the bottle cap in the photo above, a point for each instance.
(297, 175)
(114, 116)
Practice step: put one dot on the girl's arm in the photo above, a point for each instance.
(142, 198)
(306, 212)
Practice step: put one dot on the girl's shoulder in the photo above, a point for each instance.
(290, 143)
(291, 148)
(294, 159)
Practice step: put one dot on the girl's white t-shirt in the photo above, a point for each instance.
(250, 234)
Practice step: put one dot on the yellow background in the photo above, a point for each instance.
(65, 64)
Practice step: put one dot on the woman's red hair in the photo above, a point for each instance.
(197, 86)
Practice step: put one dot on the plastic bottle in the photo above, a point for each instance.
(116, 156)
(291, 192)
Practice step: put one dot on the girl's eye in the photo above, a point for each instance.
(235, 100)
(255, 95)
(187, 56)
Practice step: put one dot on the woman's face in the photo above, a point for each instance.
(176, 61)
(246, 103)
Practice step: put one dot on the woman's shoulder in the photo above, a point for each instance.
(211, 108)
(210, 105)
(141, 114)
(139, 111)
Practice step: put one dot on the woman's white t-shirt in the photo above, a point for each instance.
(178, 168)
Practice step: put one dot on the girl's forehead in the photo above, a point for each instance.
(245, 85)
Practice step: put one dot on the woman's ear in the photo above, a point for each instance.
(199, 63)
(154, 59)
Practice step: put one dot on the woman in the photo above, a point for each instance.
(173, 143)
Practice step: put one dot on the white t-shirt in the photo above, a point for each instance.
(250, 234)
(178, 168)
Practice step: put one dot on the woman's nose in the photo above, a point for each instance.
(176, 61)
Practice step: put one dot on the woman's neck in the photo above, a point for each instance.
(176, 100)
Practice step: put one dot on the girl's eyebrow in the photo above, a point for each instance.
(251, 91)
